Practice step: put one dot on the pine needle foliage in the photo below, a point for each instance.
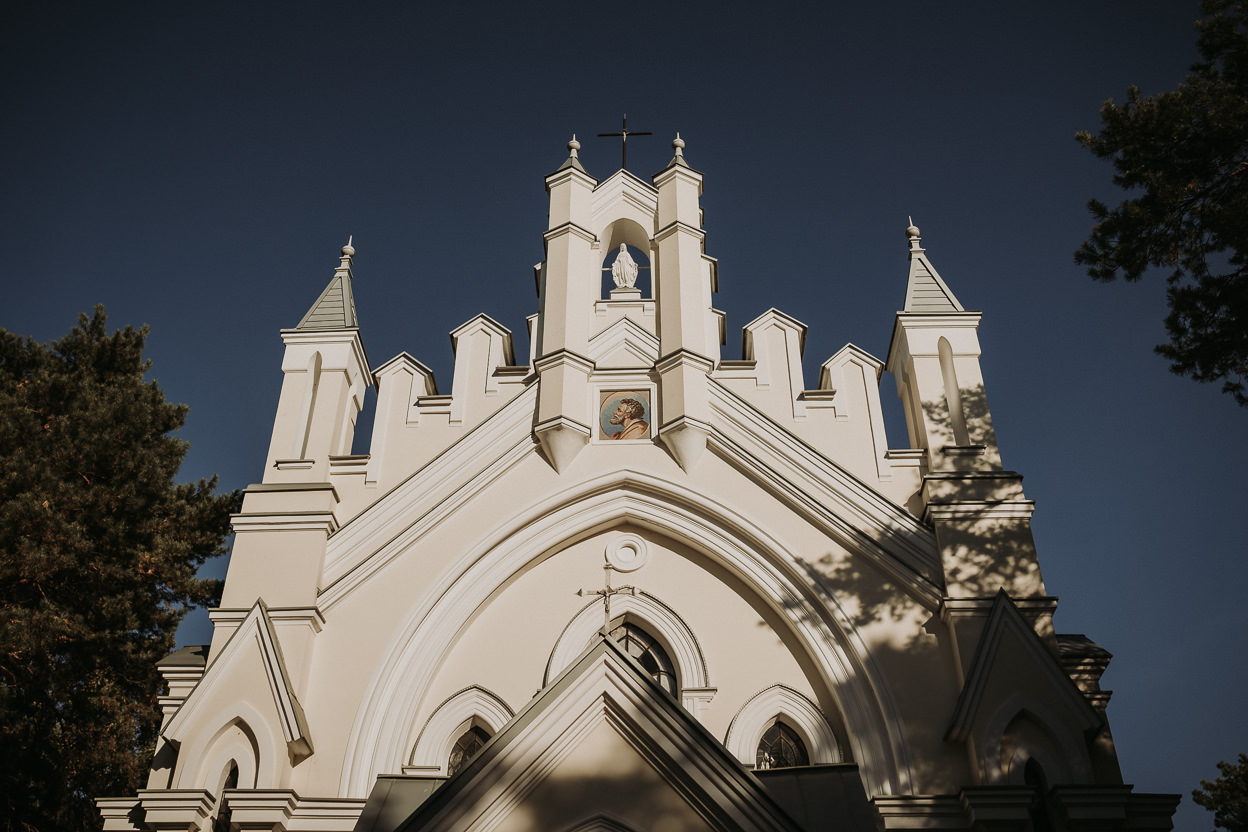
(1227, 796)
(1185, 152)
(99, 549)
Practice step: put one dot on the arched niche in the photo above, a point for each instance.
(804, 613)
(953, 393)
(627, 232)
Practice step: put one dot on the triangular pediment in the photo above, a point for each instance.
(623, 185)
(250, 667)
(602, 747)
(624, 344)
(1012, 658)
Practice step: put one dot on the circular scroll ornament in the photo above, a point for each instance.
(627, 553)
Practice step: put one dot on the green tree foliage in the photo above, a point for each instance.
(1186, 152)
(1227, 796)
(99, 549)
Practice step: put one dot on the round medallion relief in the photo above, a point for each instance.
(627, 553)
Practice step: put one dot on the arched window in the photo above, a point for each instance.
(781, 747)
(639, 644)
(465, 748)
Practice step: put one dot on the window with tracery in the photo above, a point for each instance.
(639, 644)
(465, 748)
(781, 747)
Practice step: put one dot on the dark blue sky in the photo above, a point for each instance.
(196, 166)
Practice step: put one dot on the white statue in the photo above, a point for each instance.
(624, 270)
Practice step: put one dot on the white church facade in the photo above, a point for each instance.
(624, 583)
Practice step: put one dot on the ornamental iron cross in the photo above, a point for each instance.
(606, 592)
(623, 135)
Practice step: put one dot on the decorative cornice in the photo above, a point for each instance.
(684, 358)
(561, 422)
(685, 172)
(563, 358)
(566, 174)
(233, 616)
(350, 337)
(569, 228)
(979, 510)
(285, 521)
(675, 226)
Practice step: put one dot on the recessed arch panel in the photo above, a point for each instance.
(243, 738)
(829, 638)
(1007, 748)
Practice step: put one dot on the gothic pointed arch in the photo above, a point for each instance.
(1021, 731)
(780, 702)
(471, 708)
(242, 741)
(655, 616)
(810, 614)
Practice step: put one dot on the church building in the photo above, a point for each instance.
(626, 583)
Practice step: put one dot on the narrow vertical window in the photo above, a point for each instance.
(222, 823)
(1041, 817)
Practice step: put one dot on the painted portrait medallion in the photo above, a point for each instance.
(624, 415)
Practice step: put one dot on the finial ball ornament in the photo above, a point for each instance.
(912, 231)
(348, 250)
(678, 143)
(574, 144)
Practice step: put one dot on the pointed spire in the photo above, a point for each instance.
(573, 160)
(925, 291)
(335, 308)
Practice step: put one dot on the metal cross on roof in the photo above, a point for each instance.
(606, 592)
(623, 135)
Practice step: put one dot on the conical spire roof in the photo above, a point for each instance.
(335, 308)
(925, 291)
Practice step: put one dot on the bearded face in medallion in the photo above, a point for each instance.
(628, 415)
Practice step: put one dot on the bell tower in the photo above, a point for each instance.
(669, 342)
